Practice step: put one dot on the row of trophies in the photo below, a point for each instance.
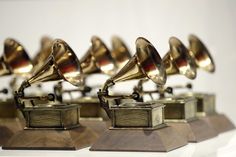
(106, 121)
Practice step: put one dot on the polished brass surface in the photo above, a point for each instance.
(178, 60)
(61, 64)
(16, 57)
(138, 115)
(205, 103)
(179, 109)
(43, 54)
(200, 53)
(120, 52)
(98, 59)
(60, 117)
(146, 63)
(4, 69)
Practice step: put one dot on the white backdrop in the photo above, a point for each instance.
(76, 21)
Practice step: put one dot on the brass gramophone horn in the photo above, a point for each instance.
(145, 63)
(98, 59)
(16, 57)
(200, 54)
(43, 54)
(178, 61)
(119, 52)
(4, 69)
(61, 64)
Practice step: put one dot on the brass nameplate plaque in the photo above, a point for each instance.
(137, 115)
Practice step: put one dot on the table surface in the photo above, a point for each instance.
(224, 145)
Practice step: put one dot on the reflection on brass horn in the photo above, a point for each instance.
(61, 64)
(200, 54)
(43, 54)
(131, 119)
(16, 57)
(119, 52)
(178, 61)
(146, 63)
(4, 69)
(98, 59)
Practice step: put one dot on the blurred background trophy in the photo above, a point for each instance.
(52, 125)
(137, 126)
(14, 61)
(206, 101)
(181, 112)
(97, 60)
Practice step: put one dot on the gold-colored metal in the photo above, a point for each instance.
(43, 53)
(178, 61)
(120, 52)
(16, 57)
(138, 115)
(133, 121)
(205, 103)
(61, 64)
(200, 54)
(60, 117)
(98, 59)
(179, 109)
(146, 63)
(4, 70)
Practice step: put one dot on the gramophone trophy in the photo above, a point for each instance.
(206, 101)
(137, 126)
(98, 59)
(52, 125)
(14, 61)
(180, 112)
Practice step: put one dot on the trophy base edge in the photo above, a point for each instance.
(74, 139)
(220, 122)
(159, 140)
(195, 131)
(8, 127)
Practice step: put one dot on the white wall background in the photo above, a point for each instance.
(75, 21)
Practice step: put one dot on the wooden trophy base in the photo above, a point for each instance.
(55, 127)
(219, 122)
(43, 139)
(158, 140)
(98, 126)
(195, 131)
(8, 127)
